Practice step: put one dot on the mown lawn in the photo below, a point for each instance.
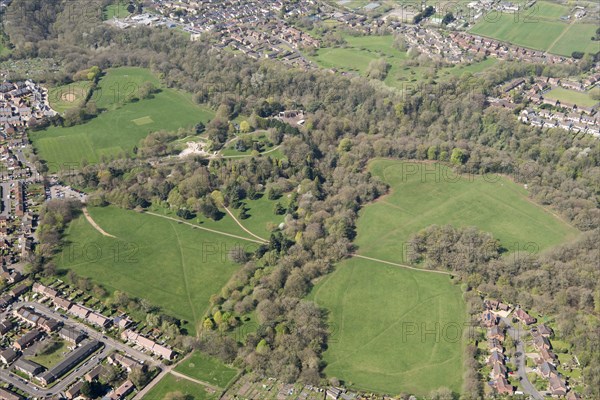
(172, 265)
(207, 369)
(393, 330)
(172, 384)
(425, 194)
(118, 130)
(571, 97)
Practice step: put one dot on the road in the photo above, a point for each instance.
(518, 335)
(110, 345)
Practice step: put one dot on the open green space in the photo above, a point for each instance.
(54, 354)
(425, 194)
(171, 384)
(120, 128)
(170, 264)
(577, 38)
(68, 96)
(540, 27)
(393, 330)
(263, 219)
(571, 97)
(207, 369)
(118, 10)
(537, 35)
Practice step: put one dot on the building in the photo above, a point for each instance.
(545, 330)
(124, 361)
(5, 326)
(28, 367)
(98, 319)
(8, 395)
(74, 391)
(158, 349)
(93, 374)
(44, 290)
(524, 317)
(74, 358)
(64, 304)
(548, 370)
(503, 386)
(71, 335)
(19, 290)
(27, 339)
(8, 355)
(79, 311)
(489, 319)
(541, 342)
(495, 332)
(36, 319)
(122, 391)
(557, 386)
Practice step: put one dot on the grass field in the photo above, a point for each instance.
(118, 10)
(206, 369)
(120, 128)
(169, 264)
(54, 356)
(417, 200)
(170, 384)
(395, 329)
(68, 96)
(540, 28)
(571, 97)
(380, 317)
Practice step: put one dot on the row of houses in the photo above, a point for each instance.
(495, 339)
(22, 104)
(77, 310)
(163, 351)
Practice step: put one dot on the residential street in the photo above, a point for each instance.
(518, 335)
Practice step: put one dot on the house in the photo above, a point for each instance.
(498, 371)
(98, 319)
(5, 326)
(496, 358)
(27, 339)
(495, 332)
(541, 342)
(158, 349)
(488, 319)
(79, 311)
(547, 370)
(59, 302)
(74, 391)
(503, 386)
(6, 300)
(44, 290)
(122, 391)
(8, 395)
(545, 330)
(19, 290)
(547, 356)
(573, 396)
(28, 367)
(557, 386)
(494, 345)
(8, 355)
(93, 374)
(124, 361)
(71, 335)
(524, 317)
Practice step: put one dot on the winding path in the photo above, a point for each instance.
(243, 227)
(94, 224)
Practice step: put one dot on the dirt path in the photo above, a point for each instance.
(401, 265)
(94, 224)
(243, 227)
(205, 229)
(559, 37)
(199, 382)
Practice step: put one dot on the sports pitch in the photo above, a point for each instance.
(118, 129)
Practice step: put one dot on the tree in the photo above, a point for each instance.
(131, 8)
(458, 156)
(245, 127)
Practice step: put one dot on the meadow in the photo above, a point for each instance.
(425, 194)
(539, 28)
(170, 264)
(206, 369)
(571, 97)
(171, 384)
(118, 129)
(393, 330)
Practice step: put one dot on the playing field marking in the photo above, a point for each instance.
(143, 120)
